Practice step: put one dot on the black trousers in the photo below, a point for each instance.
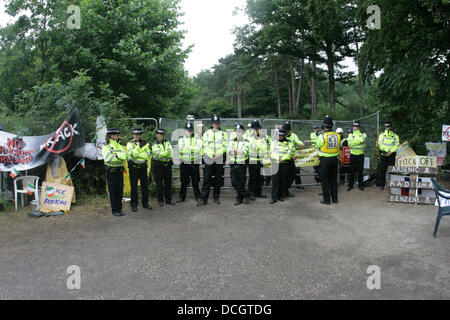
(163, 178)
(385, 161)
(356, 166)
(114, 179)
(255, 179)
(293, 173)
(188, 173)
(238, 174)
(316, 174)
(328, 176)
(138, 173)
(213, 174)
(280, 181)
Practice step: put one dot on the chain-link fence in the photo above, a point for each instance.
(303, 128)
(369, 125)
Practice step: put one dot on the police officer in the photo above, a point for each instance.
(114, 156)
(388, 142)
(237, 157)
(258, 148)
(162, 167)
(357, 144)
(138, 156)
(329, 143)
(295, 172)
(281, 152)
(190, 150)
(214, 151)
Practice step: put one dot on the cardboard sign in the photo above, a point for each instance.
(56, 197)
(405, 150)
(417, 161)
(445, 132)
(409, 170)
(308, 157)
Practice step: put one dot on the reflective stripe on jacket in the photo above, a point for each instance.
(214, 142)
(140, 154)
(357, 142)
(162, 151)
(388, 141)
(114, 154)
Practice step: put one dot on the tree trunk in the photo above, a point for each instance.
(290, 95)
(293, 90)
(300, 87)
(360, 85)
(331, 82)
(239, 102)
(314, 109)
(277, 88)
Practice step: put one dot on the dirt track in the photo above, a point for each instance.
(297, 249)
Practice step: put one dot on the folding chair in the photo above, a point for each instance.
(442, 211)
(25, 180)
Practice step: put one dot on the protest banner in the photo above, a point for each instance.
(446, 132)
(23, 153)
(307, 157)
(405, 150)
(417, 161)
(409, 170)
(438, 150)
(56, 197)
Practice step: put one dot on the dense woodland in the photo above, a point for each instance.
(127, 59)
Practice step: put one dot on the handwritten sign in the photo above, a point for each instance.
(411, 199)
(420, 161)
(405, 150)
(56, 197)
(307, 157)
(409, 170)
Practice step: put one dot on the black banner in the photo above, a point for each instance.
(23, 153)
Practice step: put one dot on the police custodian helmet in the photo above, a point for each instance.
(189, 126)
(215, 118)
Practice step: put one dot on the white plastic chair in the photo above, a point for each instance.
(25, 180)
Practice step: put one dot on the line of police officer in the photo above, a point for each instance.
(241, 150)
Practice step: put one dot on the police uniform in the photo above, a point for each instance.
(388, 141)
(357, 144)
(237, 157)
(214, 151)
(138, 156)
(162, 169)
(329, 143)
(258, 148)
(281, 152)
(295, 172)
(190, 151)
(114, 156)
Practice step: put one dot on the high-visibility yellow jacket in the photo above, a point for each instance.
(283, 150)
(294, 139)
(114, 154)
(214, 142)
(329, 144)
(241, 146)
(139, 154)
(314, 138)
(258, 147)
(388, 141)
(357, 142)
(190, 149)
(162, 151)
